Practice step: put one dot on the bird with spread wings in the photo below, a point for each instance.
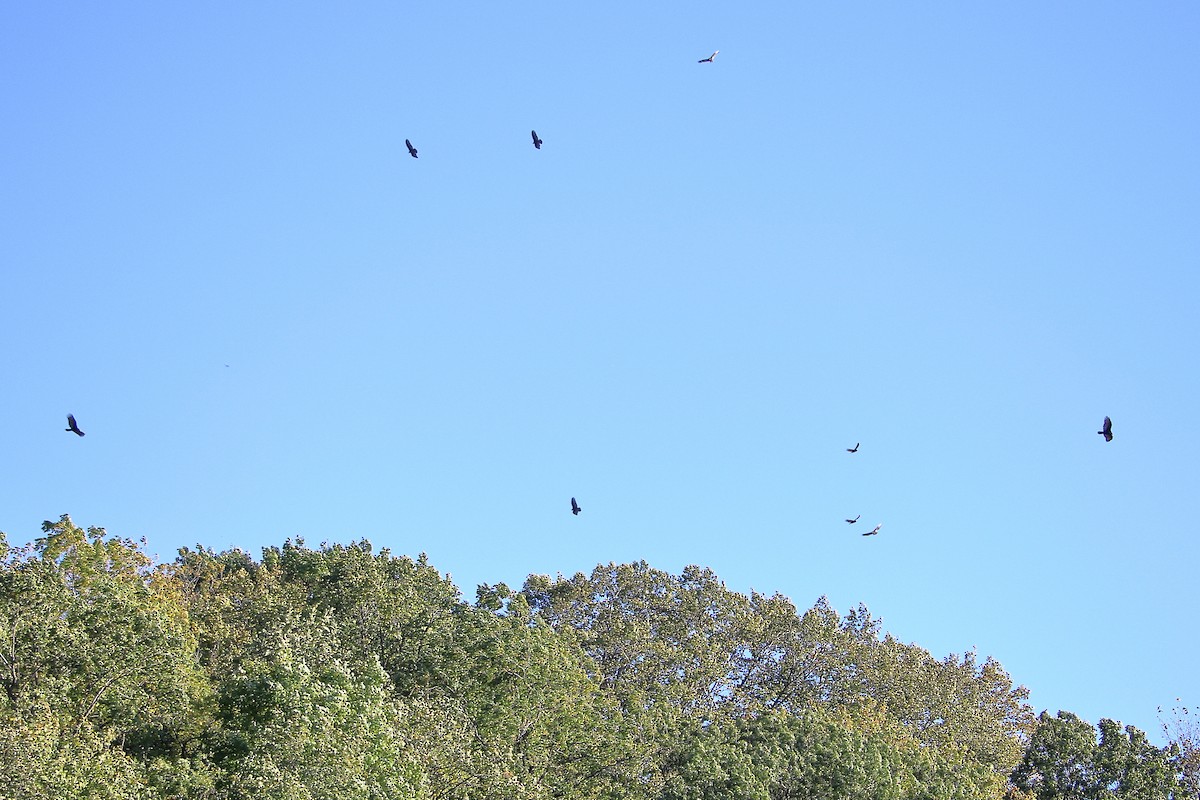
(72, 427)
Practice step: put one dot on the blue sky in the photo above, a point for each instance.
(959, 235)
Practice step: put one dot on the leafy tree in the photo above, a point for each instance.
(654, 637)
(298, 722)
(1065, 760)
(705, 652)
(98, 660)
(819, 753)
(537, 710)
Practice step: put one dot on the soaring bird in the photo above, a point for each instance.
(575, 509)
(73, 427)
(536, 141)
(852, 521)
(1106, 431)
(853, 449)
(872, 533)
(412, 151)
(709, 59)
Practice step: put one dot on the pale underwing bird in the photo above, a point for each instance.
(872, 533)
(412, 151)
(709, 59)
(1106, 431)
(575, 509)
(853, 449)
(852, 521)
(73, 427)
(536, 141)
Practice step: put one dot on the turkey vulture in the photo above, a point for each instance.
(412, 151)
(853, 449)
(74, 428)
(709, 59)
(1106, 431)
(873, 532)
(575, 509)
(536, 141)
(852, 521)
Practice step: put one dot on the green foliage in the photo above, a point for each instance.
(1065, 760)
(705, 653)
(345, 672)
(819, 753)
(98, 660)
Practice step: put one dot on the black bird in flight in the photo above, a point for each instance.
(708, 60)
(74, 428)
(575, 509)
(852, 521)
(873, 532)
(853, 449)
(536, 141)
(1106, 431)
(412, 151)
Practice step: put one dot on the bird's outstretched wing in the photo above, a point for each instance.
(852, 521)
(853, 449)
(710, 58)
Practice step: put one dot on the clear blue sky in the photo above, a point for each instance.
(961, 234)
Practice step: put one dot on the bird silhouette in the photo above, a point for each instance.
(536, 141)
(852, 521)
(575, 509)
(73, 427)
(873, 532)
(412, 151)
(1106, 431)
(853, 449)
(709, 59)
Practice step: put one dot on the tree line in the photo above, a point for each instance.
(347, 672)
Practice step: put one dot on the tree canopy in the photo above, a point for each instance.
(348, 672)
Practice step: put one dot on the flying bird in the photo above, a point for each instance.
(709, 59)
(852, 521)
(575, 509)
(1106, 431)
(873, 532)
(536, 141)
(853, 449)
(73, 427)
(412, 151)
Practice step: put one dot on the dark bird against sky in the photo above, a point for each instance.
(73, 427)
(412, 151)
(1106, 431)
(853, 449)
(852, 521)
(575, 509)
(709, 59)
(536, 141)
(875, 531)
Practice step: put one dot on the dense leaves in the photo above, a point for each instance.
(345, 672)
(1065, 760)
